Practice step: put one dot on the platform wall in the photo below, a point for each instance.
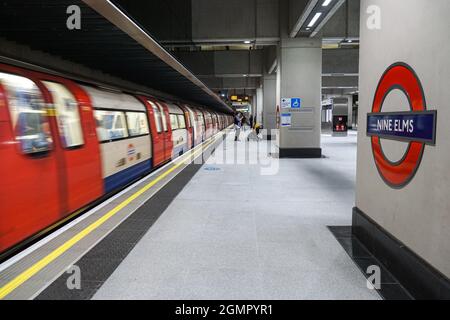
(415, 32)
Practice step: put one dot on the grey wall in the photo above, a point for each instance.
(234, 19)
(296, 8)
(223, 63)
(340, 61)
(270, 101)
(345, 22)
(340, 81)
(419, 214)
(165, 20)
(259, 104)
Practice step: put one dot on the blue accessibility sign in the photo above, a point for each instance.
(296, 103)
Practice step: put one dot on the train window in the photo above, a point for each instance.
(67, 114)
(137, 123)
(173, 121)
(181, 122)
(28, 115)
(110, 125)
(163, 116)
(157, 116)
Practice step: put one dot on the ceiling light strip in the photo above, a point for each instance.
(298, 25)
(314, 19)
(327, 17)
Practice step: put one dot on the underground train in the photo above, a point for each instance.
(64, 145)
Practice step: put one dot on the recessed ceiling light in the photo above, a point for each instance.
(326, 3)
(314, 19)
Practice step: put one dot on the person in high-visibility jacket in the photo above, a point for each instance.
(257, 127)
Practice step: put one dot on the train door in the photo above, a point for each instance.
(208, 124)
(193, 123)
(179, 130)
(215, 122)
(168, 143)
(196, 125)
(77, 142)
(155, 117)
(202, 124)
(189, 126)
(30, 182)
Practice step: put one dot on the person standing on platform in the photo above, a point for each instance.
(244, 122)
(251, 121)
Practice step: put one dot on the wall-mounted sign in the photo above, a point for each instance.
(286, 119)
(340, 124)
(417, 127)
(288, 103)
(327, 102)
(406, 126)
(285, 103)
(296, 103)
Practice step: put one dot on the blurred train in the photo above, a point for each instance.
(65, 145)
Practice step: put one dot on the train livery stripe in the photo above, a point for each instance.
(121, 178)
(34, 269)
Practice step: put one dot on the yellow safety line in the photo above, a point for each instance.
(38, 266)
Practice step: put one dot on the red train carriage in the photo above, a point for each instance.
(64, 145)
(161, 132)
(49, 152)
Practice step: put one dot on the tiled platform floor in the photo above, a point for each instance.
(233, 233)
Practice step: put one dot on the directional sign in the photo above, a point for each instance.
(417, 127)
(286, 103)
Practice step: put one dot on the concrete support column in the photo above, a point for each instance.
(300, 76)
(253, 105)
(407, 224)
(269, 102)
(259, 104)
(350, 112)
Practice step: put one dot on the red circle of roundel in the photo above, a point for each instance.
(399, 76)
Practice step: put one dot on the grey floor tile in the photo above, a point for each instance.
(217, 283)
(233, 233)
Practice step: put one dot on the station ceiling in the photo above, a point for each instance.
(100, 45)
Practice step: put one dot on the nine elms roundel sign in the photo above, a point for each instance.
(416, 126)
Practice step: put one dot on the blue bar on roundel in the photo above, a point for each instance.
(403, 126)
